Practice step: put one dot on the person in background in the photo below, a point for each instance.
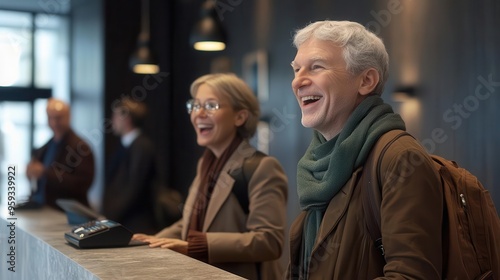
(340, 70)
(129, 190)
(216, 228)
(64, 166)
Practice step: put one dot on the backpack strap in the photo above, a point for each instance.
(242, 177)
(371, 185)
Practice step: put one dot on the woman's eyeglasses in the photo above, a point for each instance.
(209, 106)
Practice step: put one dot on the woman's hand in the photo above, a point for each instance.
(142, 237)
(177, 245)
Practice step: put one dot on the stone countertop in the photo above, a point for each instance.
(42, 251)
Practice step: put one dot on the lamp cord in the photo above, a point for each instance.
(144, 35)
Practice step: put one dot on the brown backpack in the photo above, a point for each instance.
(471, 226)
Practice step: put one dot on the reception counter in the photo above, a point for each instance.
(32, 246)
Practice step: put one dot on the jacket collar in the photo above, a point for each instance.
(222, 189)
(337, 208)
(334, 213)
(225, 183)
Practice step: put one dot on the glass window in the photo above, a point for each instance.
(14, 144)
(51, 54)
(42, 132)
(34, 52)
(15, 48)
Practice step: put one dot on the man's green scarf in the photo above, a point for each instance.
(327, 165)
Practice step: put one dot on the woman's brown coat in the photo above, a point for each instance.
(239, 243)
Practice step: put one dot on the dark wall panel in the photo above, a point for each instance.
(122, 27)
(449, 51)
(87, 82)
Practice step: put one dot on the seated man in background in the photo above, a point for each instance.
(129, 192)
(64, 166)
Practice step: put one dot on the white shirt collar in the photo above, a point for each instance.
(128, 138)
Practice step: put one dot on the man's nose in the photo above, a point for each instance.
(301, 79)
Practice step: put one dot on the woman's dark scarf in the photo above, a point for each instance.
(211, 167)
(327, 165)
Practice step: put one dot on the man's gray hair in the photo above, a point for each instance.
(362, 49)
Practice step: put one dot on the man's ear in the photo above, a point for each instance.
(369, 81)
(241, 117)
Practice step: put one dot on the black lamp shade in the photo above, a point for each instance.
(143, 61)
(403, 93)
(208, 34)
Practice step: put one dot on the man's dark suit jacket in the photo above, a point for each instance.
(129, 192)
(71, 173)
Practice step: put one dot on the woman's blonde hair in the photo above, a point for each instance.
(238, 93)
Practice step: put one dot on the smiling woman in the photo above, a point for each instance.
(216, 128)
(216, 227)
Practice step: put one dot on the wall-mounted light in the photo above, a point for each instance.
(208, 33)
(403, 93)
(143, 60)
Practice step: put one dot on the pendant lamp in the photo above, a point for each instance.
(208, 33)
(143, 60)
